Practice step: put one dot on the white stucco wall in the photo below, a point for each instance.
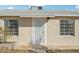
(2, 23)
(24, 35)
(56, 40)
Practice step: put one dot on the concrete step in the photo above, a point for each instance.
(39, 49)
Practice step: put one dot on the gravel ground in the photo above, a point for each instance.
(31, 51)
(64, 51)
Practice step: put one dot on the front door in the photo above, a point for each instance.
(38, 31)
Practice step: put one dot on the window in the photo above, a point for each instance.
(40, 8)
(67, 27)
(11, 27)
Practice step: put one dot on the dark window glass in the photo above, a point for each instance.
(67, 27)
(11, 27)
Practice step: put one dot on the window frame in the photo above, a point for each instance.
(67, 28)
(11, 30)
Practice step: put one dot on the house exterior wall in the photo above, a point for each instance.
(24, 35)
(2, 23)
(55, 40)
(25, 32)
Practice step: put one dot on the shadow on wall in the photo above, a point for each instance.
(27, 22)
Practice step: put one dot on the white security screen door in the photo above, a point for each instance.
(38, 31)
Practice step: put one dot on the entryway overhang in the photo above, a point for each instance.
(38, 13)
